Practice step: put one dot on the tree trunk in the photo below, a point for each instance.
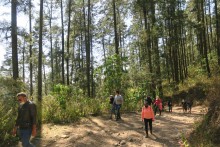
(156, 50)
(68, 43)
(63, 50)
(115, 28)
(148, 46)
(40, 64)
(23, 64)
(51, 44)
(14, 39)
(30, 49)
(217, 30)
(88, 50)
(205, 42)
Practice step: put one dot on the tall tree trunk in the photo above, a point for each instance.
(156, 50)
(51, 43)
(23, 64)
(148, 46)
(205, 42)
(40, 64)
(217, 30)
(210, 25)
(30, 49)
(45, 79)
(115, 28)
(88, 50)
(63, 50)
(68, 42)
(14, 39)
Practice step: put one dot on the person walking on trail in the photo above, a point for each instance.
(170, 104)
(147, 115)
(149, 100)
(118, 103)
(112, 103)
(158, 105)
(184, 105)
(189, 103)
(26, 120)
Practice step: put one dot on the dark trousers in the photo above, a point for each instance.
(118, 114)
(155, 110)
(146, 123)
(112, 111)
(170, 108)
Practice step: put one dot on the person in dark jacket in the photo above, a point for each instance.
(149, 100)
(112, 111)
(170, 104)
(26, 120)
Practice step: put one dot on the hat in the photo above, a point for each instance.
(22, 94)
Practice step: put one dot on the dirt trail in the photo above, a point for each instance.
(129, 132)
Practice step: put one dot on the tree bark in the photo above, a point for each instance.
(30, 49)
(217, 31)
(68, 43)
(115, 28)
(14, 39)
(40, 64)
(63, 50)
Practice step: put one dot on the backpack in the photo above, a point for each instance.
(111, 100)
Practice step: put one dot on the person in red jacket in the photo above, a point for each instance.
(158, 105)
(147, 115)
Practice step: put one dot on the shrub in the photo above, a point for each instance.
(208, 130)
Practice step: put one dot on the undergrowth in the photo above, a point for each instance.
(207, 131)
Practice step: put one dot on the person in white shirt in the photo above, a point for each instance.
(118, 102)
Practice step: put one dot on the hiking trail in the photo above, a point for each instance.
(101, 131)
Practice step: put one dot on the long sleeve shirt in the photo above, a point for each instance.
(118, 99)
(147, 113)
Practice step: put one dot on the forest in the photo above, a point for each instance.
(70, 55)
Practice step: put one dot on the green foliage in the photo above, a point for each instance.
(62, 94)
(112, 73)
(207, 131)
(68, 104)
(184, 141)
(8, 111)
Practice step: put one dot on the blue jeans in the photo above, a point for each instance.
(25, 135)
(118, 115)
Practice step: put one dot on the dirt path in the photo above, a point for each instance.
(129, 132)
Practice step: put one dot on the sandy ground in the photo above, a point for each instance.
(101, 131)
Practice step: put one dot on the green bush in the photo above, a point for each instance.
(66, 104)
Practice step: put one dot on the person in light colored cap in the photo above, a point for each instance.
(26, 119)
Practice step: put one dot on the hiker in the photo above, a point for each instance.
(149, 100)
(189, 105)
(147, 115)
(184, 105)
(118, 100)
(158, 105)
(111, 101)
(170, 104)
(26, 120)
